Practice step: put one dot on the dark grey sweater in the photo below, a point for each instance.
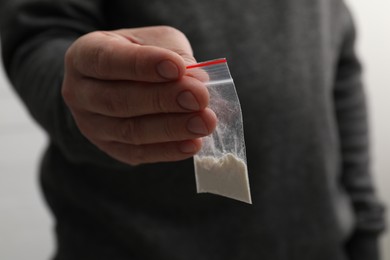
(299, 83)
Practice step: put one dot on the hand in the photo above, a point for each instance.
(129, 95)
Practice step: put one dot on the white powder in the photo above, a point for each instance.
(226, 176)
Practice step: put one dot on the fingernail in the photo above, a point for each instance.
(187, 147)
(196, 125)
(187, 101)
(168, 70)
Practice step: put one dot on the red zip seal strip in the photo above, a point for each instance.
(207, 63)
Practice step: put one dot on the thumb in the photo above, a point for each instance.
(150, 54)
(161, 36)
(164, 37)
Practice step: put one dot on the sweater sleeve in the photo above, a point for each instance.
(35, 35)
(351, 113)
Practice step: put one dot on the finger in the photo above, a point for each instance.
(163, 36)
(150, 129)
(151, 153)
(198, 73)
(131, 99)
(106, 55)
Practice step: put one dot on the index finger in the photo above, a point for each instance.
(108, 56)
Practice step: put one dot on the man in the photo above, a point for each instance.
(124, 120)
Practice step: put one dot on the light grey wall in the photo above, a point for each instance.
(25, 226)
(373, 23)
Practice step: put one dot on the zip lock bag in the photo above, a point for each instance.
(221, 166)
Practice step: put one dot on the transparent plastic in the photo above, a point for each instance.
(221, 165)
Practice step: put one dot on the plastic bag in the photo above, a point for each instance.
(221, 166)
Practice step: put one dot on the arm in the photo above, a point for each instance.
(35, 36)
(352, 120)
(102, 93)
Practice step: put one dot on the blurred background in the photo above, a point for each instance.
(25, 225)
(373, 22)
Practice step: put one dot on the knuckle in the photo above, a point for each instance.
(183, 49)
(158, 103)
(70, 91)
(112, 103)
(110, 106)
(73, 55)
(166, 154)
(130, 132)
(99, 55)
(169, 31)
(168, 129)
(125, 106)
(99, 58)
(115, 103)
(67, 90)
(89, 54)
(135, 64)
(137, 155)
(172, 32)
(67, 94)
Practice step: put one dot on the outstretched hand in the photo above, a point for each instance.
(129, 95)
